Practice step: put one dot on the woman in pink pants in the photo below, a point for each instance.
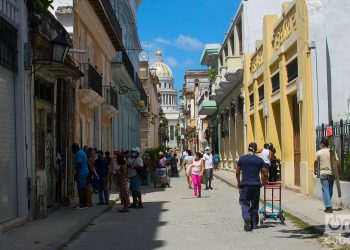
(197, 173)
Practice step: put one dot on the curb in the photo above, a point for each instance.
(86, 225)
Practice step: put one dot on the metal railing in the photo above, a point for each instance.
(122, 57)
(341, 144)
(92, 80)
(111, 96)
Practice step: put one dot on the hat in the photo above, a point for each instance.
(207, 148)
(136, 149)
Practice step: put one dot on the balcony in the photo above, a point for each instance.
(110, 107)
(123, 68)
(207, 106)
(234, 73)
(91, 88)
(105, 13)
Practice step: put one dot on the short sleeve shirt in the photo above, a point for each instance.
(208, 159)
(323, 156)
(81, 158)
(134, 163)
(251, 166)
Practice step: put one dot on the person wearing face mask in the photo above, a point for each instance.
(208, 159)
(249, 186)
(102, 169)
(134, 165)
(197, 170)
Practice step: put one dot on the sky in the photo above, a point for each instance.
(181, 28)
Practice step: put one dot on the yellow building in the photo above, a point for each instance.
(278, 94)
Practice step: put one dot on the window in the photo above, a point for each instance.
(8, 46)
(261, 92)
(292, 70)
(172, 133)
(160, 85)
(275, 81)
(232, 42)
(251, 100)
(226, 50)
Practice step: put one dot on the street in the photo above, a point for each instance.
(173, 219)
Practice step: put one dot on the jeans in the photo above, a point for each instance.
(327, 182)
(103, 195)
(249, 201)
(197, 182)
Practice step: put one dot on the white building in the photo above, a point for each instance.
(169, 96)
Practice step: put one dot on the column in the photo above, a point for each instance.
(236, 41)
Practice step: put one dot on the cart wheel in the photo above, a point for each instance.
(261, 221)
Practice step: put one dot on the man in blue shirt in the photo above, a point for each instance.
(81, 174)
(250, 165)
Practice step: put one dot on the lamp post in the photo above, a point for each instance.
(61, 45)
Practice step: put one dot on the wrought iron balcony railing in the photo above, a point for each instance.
(92, 80)
(111, 96)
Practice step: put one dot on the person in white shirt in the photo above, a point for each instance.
(208, 160)
(185, 164)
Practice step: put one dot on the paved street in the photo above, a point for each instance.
(173, 219)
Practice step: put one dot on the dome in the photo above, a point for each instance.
(162, 69)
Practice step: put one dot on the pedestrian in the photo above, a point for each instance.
(273, 170)
(184, 154)
(110, 162)
(185, 164)
(122, 173)
(328, 160)
(173, 165)
(197, 170)
(208, 160)
(81, 174)
(266, 154)
(249, 186)
(102, 169)
(216, 161)
(134, 165)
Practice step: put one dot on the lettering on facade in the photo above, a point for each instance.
(257, 60)
(285, 29)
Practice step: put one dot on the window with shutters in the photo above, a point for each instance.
(275, 81)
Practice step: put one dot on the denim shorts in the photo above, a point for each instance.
(82, 180)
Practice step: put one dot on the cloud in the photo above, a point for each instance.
(189, 63)
(171, 61)
(162, 40)
(188, 43)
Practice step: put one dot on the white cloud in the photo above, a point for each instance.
(171, 61)
(188, 43)
(189, 63)
(162, 40)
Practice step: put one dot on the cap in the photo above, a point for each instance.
(136, 149)
(207, 148)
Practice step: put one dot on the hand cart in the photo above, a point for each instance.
(272, 207)
(162, 177)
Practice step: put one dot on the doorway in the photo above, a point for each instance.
(296, 139)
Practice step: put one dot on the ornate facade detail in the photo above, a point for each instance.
(257, 60)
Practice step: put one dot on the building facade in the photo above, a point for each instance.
(150, 118)
(195, 87)
(168, 95)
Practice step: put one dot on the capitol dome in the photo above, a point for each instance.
(162, 70)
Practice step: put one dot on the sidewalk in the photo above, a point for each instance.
(56, 230)
(305, 208)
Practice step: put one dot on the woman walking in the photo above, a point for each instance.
(197, 170)
(122, 174)
(185, 164)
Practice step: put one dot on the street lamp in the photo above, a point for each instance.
(61, 45)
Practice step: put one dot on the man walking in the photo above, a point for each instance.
(102, 169)
(249, 186)
(208, 160)
(81, 174)
(327, 159)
